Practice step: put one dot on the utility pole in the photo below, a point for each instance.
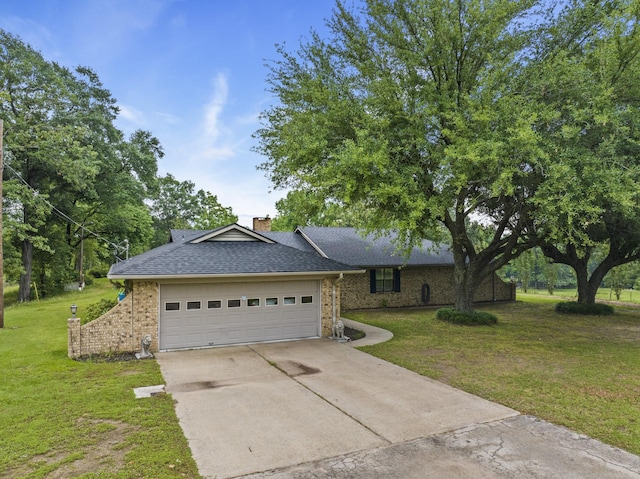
(1, 233)
(81, 281)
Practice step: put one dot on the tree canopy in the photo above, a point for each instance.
(590, 200)
(177, 205)
(412, 112)
(73, 181)
(430, 116)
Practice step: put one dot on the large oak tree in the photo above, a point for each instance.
(412, 111)
(590, 201)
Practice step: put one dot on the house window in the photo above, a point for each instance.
(306, 299)
(385, 280)
(214, 304)
(172, 306)
(233, 303)
(191, 305)
(289, 300)
(253, 302)
(271, 302)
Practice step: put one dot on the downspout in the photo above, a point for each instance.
(333, 304)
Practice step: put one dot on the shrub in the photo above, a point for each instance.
(353, 334)
(95, 310)
(476, 318)
(573, 307)
(98, 272)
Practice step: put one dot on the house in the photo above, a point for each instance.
(235, 285)
(423, 278)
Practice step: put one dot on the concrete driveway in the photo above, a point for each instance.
(318, 409)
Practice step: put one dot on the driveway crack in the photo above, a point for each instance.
(294, 377)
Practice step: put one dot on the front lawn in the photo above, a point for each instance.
(64, 418)
(582, 372)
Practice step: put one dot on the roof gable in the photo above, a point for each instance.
(233, 232)
(229, 251)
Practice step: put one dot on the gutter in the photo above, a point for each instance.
(234, 275)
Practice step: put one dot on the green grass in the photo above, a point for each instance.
(80, 419)
(603, 294)
(582, 372)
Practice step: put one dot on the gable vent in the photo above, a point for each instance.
(233, 235)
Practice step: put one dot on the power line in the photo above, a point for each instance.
(118, 247)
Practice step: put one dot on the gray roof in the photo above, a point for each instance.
(290, 239)
(183, 258)
(347, 246)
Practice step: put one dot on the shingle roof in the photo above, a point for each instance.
(210, 258)
(347, 246)
(292, 252)
(289, 239)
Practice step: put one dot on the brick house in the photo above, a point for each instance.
(234, 285)
(423, 278)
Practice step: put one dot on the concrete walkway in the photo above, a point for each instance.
(321, 409)
(373, 334)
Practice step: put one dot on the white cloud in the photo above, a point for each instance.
(215, 107)
(131, 115)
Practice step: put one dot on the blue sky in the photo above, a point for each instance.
(190, 71)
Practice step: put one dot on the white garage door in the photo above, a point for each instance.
(202, 315)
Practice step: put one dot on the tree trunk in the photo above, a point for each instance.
(24, 294)
(586, 291)
(465, 285)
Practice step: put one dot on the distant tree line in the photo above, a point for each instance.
(77, 190)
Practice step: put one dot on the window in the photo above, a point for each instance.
(192, 305)
(271, 302)
(233, 303)
(289, 300)
(385, 280)
(306, 299)
(214, 304)
(253, 302)
(173, 306)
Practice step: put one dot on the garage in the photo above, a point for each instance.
(196, 315)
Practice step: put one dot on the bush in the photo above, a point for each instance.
(476, 318)
(573, 307)
(95, 310)
(98, 272)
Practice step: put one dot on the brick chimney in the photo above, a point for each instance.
(262, 224)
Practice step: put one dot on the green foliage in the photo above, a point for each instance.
(595, 309)
(63, 151)
(100, 272)
(304, 208)
(589, 199)
(419, 116)
(176, 205)
(476, 318)
(95, 310)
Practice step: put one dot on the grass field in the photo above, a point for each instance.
(64, 418)
(578, 371)
(604, 294)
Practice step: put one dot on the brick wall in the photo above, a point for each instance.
(356, 292)
(327, 305)
(122, 328)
